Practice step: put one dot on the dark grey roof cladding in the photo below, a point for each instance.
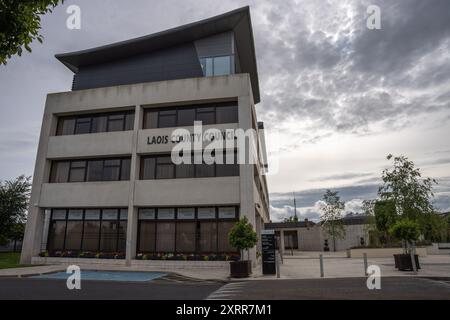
(237, 21)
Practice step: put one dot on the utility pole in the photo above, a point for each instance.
(295, 208)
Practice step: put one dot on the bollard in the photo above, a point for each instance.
(277, 263)
(365, 264)
(413, 261)
(321, 266)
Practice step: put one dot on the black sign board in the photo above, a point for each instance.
(268, 251)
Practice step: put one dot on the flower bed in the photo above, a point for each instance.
(83, 254)
(187, 257)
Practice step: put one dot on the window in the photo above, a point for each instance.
(77, 171)
(56, 235)
(224, 229)
(86, 229)
(206, 115)
(186, 115)
(99, 124)
(150, 119)
(208, 236)
(222, 66)
(83, 125)
(60, 171)
(165, 237)
(97, 170)
(216, 66)
(147, 236)
(185, 241)
(148, 168)
(162, 167)
(165, 169)
(116, 122)
(91, 235)
(105, 122)
(192, 230)
(227, 114)
(66, 126)
(167, 118)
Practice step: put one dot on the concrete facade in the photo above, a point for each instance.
(136, 193)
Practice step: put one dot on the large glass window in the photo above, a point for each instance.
(165, 168)
(227, 114)
(147, 236)
(185, 236)
(216, 66)
(77, 171)
(208, 236)
(224, 228)
(186, 115)
(93, 123)
(88, 230)
(91, 235)
(97, 170)
(165, 237)
(57, 234)
(191, 230)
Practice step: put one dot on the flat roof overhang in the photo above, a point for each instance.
(237, 21)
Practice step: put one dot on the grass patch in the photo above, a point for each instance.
(11, 260)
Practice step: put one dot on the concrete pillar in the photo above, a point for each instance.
(282, 241)
(35, 219)
(247, 201)
(45, 229)
(134, 175)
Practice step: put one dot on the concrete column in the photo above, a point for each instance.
(246, 183)
(35, 219)
(45, 229)
(282, 241)
(134, 175)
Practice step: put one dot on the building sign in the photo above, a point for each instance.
(268, 251)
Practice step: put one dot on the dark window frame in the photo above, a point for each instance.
(142, 166)
(91, 116)
(197, 222)
(118, 220)
(198, 110)
(54, 165)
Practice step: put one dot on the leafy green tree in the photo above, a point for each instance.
(411, 194)
(20, 22)
(242, 236)
(14, 197)
(291, 219)
(406, 230)
(16, 233)
(435, 228)
(331, 219)
(385, 216)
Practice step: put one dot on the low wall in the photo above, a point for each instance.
(161, 264)
(57, 260)
(382, 252)
(439, 248)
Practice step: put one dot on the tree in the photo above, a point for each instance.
(20, 22)
(435, 228)
(406, 230)
(14, 197)
(410, 194)
(385, 216)
(291, 219)
(242, 236)
(331, 219)
(16, 233)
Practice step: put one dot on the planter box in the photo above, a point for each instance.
(63, 260)
(240, 269)
(403, 262)
(382, 252)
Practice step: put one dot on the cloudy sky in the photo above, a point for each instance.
(339, 96)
